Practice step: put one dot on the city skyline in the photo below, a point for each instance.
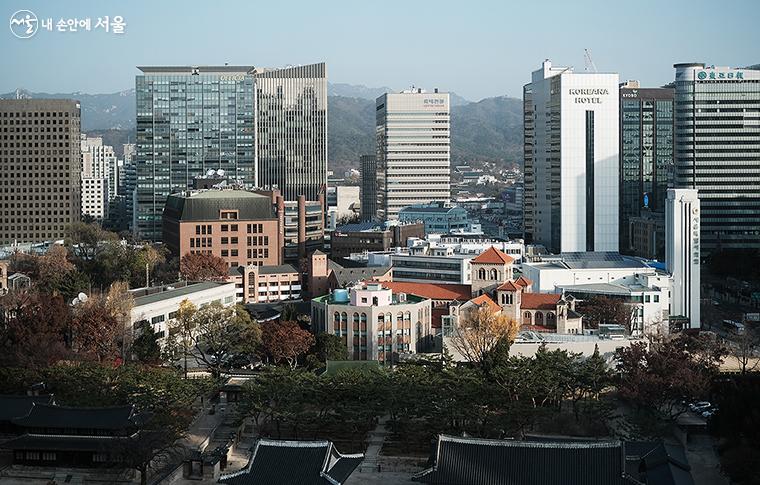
(499, 38)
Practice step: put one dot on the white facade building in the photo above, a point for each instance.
(682, 256)
(430, 263)
(413, 150)
(95, 197)
(99, 176)
(584, 275)
(157, 306)
(575, 140)
(374, 322)
(342, 201)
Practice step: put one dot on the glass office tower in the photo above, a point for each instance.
(190, 120)
(717, 144)
(646, 167)
(291, 130)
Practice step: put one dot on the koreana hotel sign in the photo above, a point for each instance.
(588, 95)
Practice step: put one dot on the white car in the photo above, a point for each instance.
(699, 406)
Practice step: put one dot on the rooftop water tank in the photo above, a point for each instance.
(340, 295)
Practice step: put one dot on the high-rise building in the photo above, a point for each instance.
(646, 167)
(574, 183)
(291, 130)
(682, 258)
(413, 150)
(717, 150)
(529, 183)
(369, 187)
(39, 169)
(127, 185)
(190, 120)
(99, 176)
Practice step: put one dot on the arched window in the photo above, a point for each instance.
(551, 320)
(527, 319)
(336, 321)
(539, 318)
(482, 273)
(494, 274)
(355, 325)
(344, 321)
(375, 300)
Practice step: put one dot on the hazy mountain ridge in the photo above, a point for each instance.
(490, 129)
(99, 111)
(363, 92)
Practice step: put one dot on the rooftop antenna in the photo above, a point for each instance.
(588, 61)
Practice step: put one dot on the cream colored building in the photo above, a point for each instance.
(374, 322)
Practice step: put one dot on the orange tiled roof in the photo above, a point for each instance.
(493, 256)
(434, 291)
(523, 281)
(486, 300)
(540, 301)
(508, 286)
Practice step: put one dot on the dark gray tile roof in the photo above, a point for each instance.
(18, 406)
(295, 462)
(351, 275)
(50, 416)
(64, 443)
(472, 461)
(654, 462)
(205, 205)
(277, 269)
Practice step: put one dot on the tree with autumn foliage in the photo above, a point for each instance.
(480, 330)
(203, 267)
(34, 329)
(96, 333)
(285, 342)
(661, 375)
(52, 272)
(180, 329)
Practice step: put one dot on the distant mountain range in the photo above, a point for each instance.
(99, 111)
(490, 129)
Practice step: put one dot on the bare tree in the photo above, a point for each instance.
(479, 331)
(119, 303)
(744, 347)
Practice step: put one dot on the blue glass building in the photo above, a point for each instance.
(190, 120)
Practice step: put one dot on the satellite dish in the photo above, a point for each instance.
(74, 301)
(220, 172)
(82, 297)
(209, 172)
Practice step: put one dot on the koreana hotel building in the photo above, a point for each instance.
(572, 193)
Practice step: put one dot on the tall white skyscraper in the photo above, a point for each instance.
(682, 245)
(572, 193)
(413, 150)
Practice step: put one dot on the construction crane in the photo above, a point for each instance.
(588, 61)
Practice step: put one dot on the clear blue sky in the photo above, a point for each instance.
(474, 48)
